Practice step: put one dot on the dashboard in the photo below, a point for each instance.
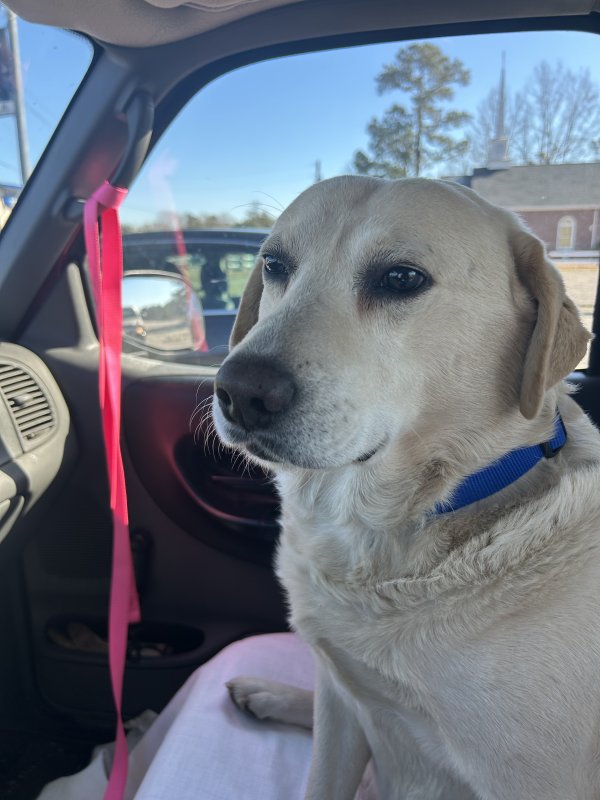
(35, 432)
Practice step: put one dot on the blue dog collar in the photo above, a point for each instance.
(504, 471)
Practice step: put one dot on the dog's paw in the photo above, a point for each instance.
(269, 700)
(253, 696)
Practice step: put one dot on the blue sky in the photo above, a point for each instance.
(255, 134)
(53, 64)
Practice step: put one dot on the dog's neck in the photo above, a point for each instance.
(500, 474)
(382, 510)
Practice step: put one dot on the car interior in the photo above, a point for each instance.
(203, 525)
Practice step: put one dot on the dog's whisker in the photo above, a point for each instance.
(258, 206)
(236, 460)
(200, 409)
(274, 199)
(206, 416)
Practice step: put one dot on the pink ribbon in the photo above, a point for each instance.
(106, 271)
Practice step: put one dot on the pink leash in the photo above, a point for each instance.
(106, 271)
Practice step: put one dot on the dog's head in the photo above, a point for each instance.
(376, 307)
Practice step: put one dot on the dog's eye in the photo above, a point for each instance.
(274, 266)
(402, 280)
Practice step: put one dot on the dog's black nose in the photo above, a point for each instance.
(252, 392)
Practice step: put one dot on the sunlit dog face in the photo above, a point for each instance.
(378, 308)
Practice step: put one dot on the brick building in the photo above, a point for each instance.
(559, 202)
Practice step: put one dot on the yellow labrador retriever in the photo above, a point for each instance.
(398, 363)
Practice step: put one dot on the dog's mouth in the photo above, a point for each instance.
(366, 456)
(260, 451)
(270, 452)
(369, 454)
(272, 449)
(265, 453)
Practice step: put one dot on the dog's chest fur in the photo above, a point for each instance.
(339, 570)
(378, 644)
(421, 641)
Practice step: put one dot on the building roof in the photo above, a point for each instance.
(541, 185)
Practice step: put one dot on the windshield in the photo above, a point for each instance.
(40, 70)
(515, 116)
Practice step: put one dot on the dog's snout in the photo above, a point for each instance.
(252, 392)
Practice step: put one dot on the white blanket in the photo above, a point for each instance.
(202, 748)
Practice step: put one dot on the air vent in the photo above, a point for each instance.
(27, 402)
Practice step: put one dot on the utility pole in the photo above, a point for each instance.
(318, 175)
(19, 98)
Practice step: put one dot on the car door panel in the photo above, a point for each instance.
(203, 583)
(209, 491)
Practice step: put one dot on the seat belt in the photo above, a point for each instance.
(106, 271)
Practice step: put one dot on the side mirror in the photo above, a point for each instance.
(162, 316)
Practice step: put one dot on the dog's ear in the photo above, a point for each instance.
(559, 340)
(247, 315)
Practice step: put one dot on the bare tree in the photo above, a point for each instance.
(521, 141)
(553, 120)
(483, 127)
(565, 114)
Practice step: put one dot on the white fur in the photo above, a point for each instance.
(462, 651)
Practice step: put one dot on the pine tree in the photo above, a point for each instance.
(411, 137)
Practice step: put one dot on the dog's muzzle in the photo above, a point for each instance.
(253, 393)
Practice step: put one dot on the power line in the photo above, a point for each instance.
(8, 166)
(34, 101)
(33, 110)
(12, 169)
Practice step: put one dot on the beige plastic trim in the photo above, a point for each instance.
(139, 23)
(143, 23)
(207, 5)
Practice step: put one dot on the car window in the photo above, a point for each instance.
(40, 70)
(514, 116)
(216, 266)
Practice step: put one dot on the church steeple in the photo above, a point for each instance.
(498, 149)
